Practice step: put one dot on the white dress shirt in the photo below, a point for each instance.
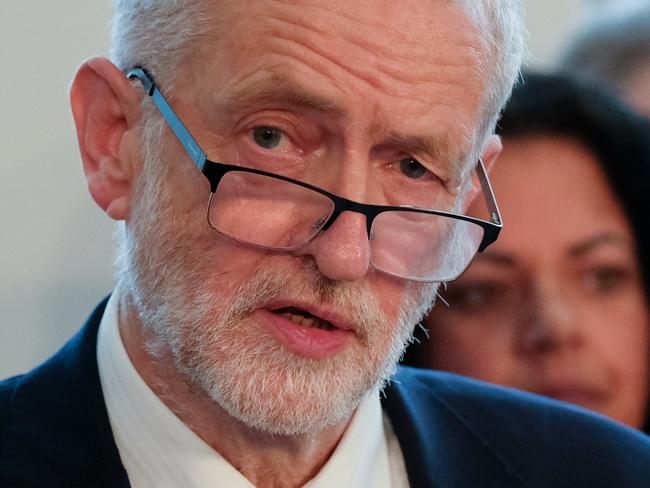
(158, 450)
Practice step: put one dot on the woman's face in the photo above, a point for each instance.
(556, 306)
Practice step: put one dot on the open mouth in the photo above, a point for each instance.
(303, 318)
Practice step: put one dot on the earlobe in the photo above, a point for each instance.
(106, 113)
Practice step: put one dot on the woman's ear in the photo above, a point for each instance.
(107, 113)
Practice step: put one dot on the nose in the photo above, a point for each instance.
(342, 252)
(549, 322)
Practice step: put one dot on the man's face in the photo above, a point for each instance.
(338, 94)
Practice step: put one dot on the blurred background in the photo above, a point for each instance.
(55, 244)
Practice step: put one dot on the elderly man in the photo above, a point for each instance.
(336, 145)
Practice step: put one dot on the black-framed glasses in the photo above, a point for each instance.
(278, 213)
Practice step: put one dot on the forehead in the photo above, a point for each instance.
(553, 194)
(420, 60)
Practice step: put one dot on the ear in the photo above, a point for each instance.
(106, 112)
(489, 155)
(491, 152)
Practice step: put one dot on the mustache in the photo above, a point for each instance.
(357, 300)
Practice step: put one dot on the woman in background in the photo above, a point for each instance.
(559, 304)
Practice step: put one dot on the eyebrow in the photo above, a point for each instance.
(278, 89)
(602, 239)
(438, 147)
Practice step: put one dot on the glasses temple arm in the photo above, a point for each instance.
(486, 187)
(182, 134)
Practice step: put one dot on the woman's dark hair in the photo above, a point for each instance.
(619, 138)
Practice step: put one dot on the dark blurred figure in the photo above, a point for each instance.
(614, 50)
(558, 305)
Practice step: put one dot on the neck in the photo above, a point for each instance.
(266, 460)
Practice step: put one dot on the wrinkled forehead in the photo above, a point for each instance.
(414, 18)
(407, 56)
(412, 36)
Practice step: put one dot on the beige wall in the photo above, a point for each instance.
(55, 251)
(55, 246)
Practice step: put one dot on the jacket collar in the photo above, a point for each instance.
(440, 446)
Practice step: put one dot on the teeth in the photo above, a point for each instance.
(307, 321)
(296, 319)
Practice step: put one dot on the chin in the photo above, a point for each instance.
(276, 392)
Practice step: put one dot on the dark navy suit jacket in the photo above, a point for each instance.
(454, 432)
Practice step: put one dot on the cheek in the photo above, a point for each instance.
(627, 354)
(625, 345)
(619, 334)
(621, 331)
(395, 296)
(226, 265)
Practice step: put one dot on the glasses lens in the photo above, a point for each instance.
(423, 247)
(266, 211)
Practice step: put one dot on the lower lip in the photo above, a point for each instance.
(304, 341)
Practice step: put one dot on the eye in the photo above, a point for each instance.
(606, 278)
(267, 137)
(477, 296)
(412, 168)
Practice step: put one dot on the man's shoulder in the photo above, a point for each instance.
(488, 409)
(536, 439)
(36, 413)
(7, 389)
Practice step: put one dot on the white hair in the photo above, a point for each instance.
(501, 24)
(157, 34)
(162, 33)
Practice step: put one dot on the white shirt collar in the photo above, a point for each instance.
(159, 450)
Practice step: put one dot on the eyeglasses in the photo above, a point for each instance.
(275, 212)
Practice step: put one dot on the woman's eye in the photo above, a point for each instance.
(267, 137)
(604, 279)
(412, 168)
(473, 297)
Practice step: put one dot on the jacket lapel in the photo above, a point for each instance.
(440, 448)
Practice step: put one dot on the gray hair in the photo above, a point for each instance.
(159, 34)
(610, 49)
(502, 26)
